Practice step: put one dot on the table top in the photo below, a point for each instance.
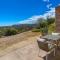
(52, 37)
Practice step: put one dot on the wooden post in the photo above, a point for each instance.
(57, 21)
(54, 52)
(47, 57)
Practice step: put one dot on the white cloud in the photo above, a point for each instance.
(50, 13)
(46, 0)
(33, 19)
(49, 5)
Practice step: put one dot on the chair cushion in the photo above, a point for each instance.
(41, 40)
(55, 33)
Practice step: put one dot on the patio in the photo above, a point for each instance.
(27, 50)
(50, 44)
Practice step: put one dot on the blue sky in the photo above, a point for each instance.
(25, 11)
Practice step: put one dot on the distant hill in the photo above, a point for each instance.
(24, 25)
(19, 26)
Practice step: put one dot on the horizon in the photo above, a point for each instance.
(18, 12)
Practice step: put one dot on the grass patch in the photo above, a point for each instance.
(35, 30)
(51, 28)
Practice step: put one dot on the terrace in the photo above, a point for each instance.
(46, 48)
(26, 50)
(51, 42)
(51, 45)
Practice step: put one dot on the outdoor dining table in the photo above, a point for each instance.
(55, 38)
(52, 39)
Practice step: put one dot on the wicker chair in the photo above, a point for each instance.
(44, 45)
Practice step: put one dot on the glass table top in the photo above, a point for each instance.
(52, 37)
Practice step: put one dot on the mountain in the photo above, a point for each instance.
(24, 26)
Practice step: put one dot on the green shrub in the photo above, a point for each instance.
(44, 31)
(42, 24)
(50, 20)
(51, 28)
(1, 33)
(35, 30)
(10, 32)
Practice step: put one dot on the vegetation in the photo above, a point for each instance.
(10, 32)
(50, 21)
(35, 30)
(42, 25)
(45, 25)
(1, 33)
(51, 28)
(15, 29)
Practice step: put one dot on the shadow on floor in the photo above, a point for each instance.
(57, 57)
(51, 57)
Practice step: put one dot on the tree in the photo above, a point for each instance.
(50, 20)
(43, 26)
(41, 23)
(10, 32)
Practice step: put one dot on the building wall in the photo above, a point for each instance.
(57, 14)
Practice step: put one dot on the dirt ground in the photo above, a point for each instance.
(11, 40)
(23, 47)
(25, 50)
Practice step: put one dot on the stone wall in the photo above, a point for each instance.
(57, 14)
